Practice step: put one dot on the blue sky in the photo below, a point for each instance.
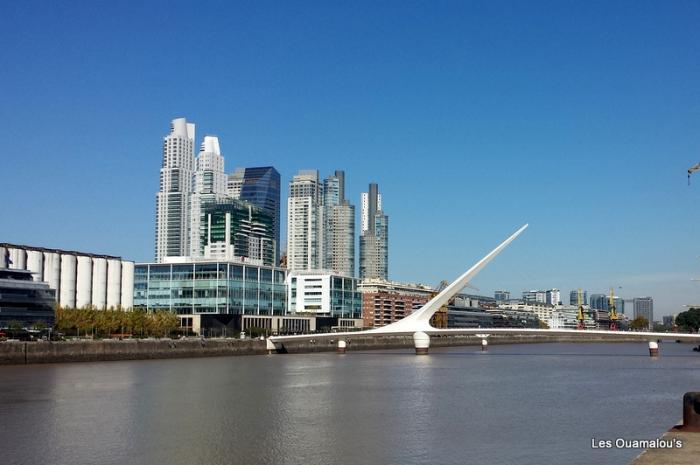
(580, 118)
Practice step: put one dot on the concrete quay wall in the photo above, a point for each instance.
(20, 353)
(359, 342)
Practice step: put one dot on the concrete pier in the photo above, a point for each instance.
(685, 439)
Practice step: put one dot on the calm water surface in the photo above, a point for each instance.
(518, 404)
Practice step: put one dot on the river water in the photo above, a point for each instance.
(517, 404)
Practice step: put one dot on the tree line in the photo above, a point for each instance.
(115, 322)
(689, 320)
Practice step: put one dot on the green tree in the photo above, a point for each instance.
(14, 326)
(659, 328)
(137, 322)
(639, 323)
(39, 325)
(689, 320)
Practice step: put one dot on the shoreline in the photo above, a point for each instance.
(39, 352)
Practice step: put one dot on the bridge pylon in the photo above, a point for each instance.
(421, 341)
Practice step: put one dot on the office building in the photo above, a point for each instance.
(374, 236)
(602, 302)
(339, 229)
(79, 279)
(553, 297)
(573, 297)
(238, 230)
(669, 320)
(305, 221)
(322, 293)
(261, 187)
(208, 293)
(209, 187)
(25, 300)
(644, 307)
(534, 295)
(173, 197)
(502, 296)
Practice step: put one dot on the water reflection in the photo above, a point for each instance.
(530, 404)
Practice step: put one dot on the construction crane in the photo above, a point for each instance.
(613, 311)
(439, 319)
(580, 317)
(692, 170)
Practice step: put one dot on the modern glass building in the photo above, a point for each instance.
(261, 187)
(235, 229)
(573, 297)
(24, 300)
(502, 296)
(210, 287)
(602, 302)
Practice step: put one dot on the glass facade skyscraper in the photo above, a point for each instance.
(261, 187)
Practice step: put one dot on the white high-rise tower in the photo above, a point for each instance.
(173, 198)
(209, 187)
(305, 222)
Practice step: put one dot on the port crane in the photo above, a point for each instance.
(439, 319)
(612, 311)
(580, 317)
(692, 170)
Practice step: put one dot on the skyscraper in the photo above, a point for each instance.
(173, 198)
(209, 187)
(602, 302)
(261, 187)
(374, 236)
(339, 229)
(305, 222)
(573, 297)
(644, 306)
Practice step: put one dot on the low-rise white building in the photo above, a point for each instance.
(323, 293)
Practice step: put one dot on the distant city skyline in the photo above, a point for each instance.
(473, 118)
